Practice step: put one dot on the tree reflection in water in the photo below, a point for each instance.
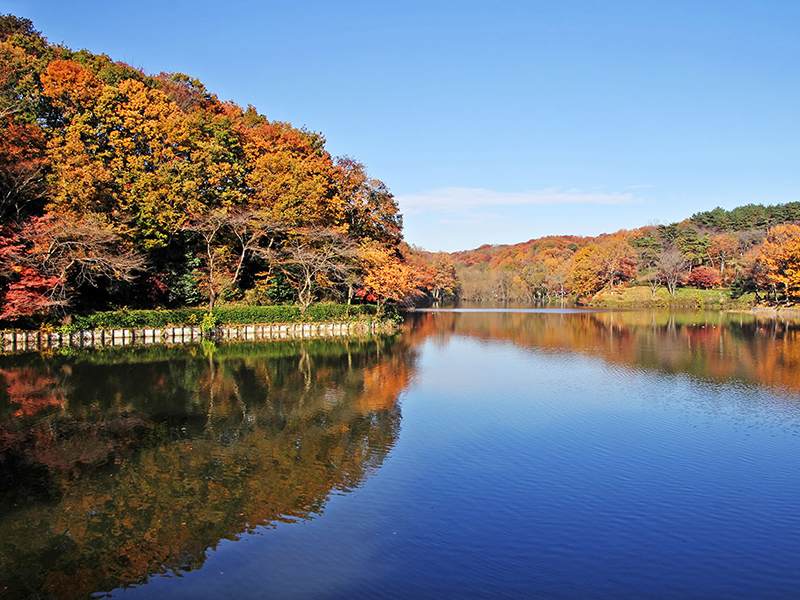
(118, 465)
(713, 345)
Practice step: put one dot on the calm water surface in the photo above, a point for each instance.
(514, 454)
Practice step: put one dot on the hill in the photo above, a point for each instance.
(747, 250)
(120, 188)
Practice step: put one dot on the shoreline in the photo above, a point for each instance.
(777, 311)
(13, 341)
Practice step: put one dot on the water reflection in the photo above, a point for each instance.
(119, 464)
(712, 345)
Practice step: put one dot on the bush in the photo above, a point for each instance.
(225, 315)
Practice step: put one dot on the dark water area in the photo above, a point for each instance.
(477, 454)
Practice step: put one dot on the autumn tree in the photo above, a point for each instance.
(129, 152)
(29, 293)
(370, 208)
(228, 238)
(586, 282)
(751, 276)
(780, 257)
(558, 272)
(385, 276)
(722, 248)
(313, 259)
(473, 281)
(185, 91)
(607, 263)
(289, 173)
(23, 158)
(58, 256)
(23, 163)
(616, 259)
(528, 282)
(421, 265)
(672, 266)
(166, 167)
(704, 277)
(445, 280)
(22, 59)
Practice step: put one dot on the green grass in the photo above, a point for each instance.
(640, 296)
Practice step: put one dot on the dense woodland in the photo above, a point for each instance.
(120, 189)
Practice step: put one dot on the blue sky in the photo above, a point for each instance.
(497, 122)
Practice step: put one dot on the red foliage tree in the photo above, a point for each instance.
(52, 257)
(704, 277)
(32, 293)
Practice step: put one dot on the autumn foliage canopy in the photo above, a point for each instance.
(119, 188)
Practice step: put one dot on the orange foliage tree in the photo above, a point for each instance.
(722, 248)
(290, 173)
(780, 257)
(385, 277)
(616, 259)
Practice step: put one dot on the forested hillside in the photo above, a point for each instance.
(752, 248)
(123, 189)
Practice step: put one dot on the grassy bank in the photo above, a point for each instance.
(642, 297)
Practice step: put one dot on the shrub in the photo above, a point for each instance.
(208, 323)
(224, 315)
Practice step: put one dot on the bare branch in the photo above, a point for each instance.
(314, 257)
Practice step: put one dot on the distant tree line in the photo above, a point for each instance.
(752, 249)
(750, 216)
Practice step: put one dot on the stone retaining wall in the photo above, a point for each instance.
(25, 341)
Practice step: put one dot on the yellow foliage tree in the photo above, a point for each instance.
(780, 258)
(129, 152)
(585, 279)
(616, 260)
(607, 263)
(290, 173)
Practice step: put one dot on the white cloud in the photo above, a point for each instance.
(456, 199)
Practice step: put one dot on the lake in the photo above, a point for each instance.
(476, 454)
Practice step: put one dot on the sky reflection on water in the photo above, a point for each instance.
(558, 455)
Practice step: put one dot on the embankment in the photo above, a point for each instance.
(27, 341)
